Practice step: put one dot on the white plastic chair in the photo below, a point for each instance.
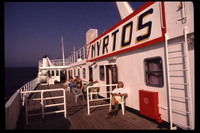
(78, 95)
(94, 91)
(122, 104)
(68, 89)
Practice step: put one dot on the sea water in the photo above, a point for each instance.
(16, 77)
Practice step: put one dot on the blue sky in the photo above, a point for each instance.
(34, 29)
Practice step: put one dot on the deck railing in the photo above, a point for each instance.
(13, 105)
(91, 93)
(12, 110)
(79, 55)
(76, 56)
(31, 85)
(43, 105)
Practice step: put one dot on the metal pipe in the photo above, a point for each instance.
(188, 72)
(63, 54)
(168, 81)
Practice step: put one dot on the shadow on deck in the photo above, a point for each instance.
(77, 117)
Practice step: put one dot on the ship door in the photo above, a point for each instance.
(69, 74)
(90, 73)
(111, 76)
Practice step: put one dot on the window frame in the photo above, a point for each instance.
(145, 72)
(84, 73)
(57, 73)
(75, 72)
(72, 73)
(102, 78)
(79, 72)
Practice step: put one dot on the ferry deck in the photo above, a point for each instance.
(77, 117)
(160, 62)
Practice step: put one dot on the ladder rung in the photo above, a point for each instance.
(180, 83)
(176, 76)
(177, 88)
(181, 97)
(175, 63)
(174, 51)
(179, 111)
(176, 43)
(178, 70)
(176, 57)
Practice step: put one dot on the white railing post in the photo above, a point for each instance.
(26, 109)
(90, 99)
(88, 106)
(65, 106)
(42, 103)
(84, 52)
(189, 94)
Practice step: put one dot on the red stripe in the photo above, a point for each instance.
(160, 39)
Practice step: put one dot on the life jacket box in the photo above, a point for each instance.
(149, 104)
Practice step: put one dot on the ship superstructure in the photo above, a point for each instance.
(151, 50)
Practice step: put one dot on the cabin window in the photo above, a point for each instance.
(74, 72)
(79, 72)
(52, 73)
(84, 76)
(71, 73)
(101, 72)
(48, 73)
(154, 72)
(57, 73)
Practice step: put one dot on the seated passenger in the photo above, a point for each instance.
(65, 85)
(117, 94)
(84, 86)
(68, 81)
(78, 83)
(96, 88)
(71, 82)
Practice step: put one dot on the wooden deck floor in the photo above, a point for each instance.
(77, 117)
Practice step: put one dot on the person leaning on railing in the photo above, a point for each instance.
(117, 94)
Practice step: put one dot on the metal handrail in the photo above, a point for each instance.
(13, 105)
(90, 94)
(42, 102)
(31, 85)
(79, 54)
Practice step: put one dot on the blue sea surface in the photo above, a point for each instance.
(16, 77)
